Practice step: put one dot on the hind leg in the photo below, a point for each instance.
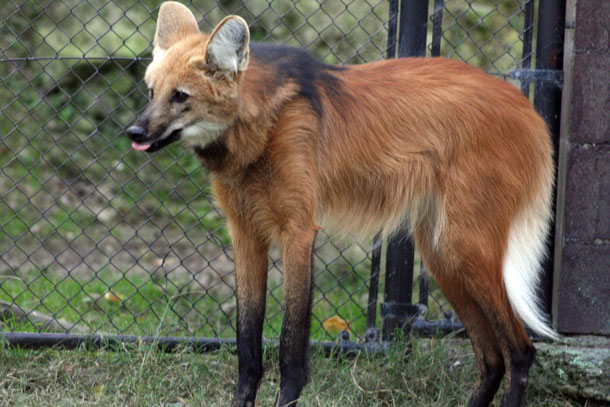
(468, 269)
(519, 353)
(514, 344)
(490, 362)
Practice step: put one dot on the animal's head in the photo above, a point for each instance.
(192, 80)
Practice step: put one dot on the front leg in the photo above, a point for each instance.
(251, 261)
(297, 248)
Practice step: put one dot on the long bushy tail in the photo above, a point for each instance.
(522, 261)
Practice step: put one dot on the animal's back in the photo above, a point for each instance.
(415, 135)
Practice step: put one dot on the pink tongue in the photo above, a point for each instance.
(140, 147)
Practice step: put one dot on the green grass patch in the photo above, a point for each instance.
(439, 373)
(129, 303)
(111, 303)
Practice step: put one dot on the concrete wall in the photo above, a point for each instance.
(582, 278)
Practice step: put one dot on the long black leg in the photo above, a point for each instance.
(294, 340)
(520, 362)
(251, 263)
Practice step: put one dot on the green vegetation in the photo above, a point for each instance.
(439, 373)
(115, 303)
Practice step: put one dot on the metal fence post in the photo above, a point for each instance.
(413, 28)
(397, 309)
(547, 101)
(528, 32)
(372, 333)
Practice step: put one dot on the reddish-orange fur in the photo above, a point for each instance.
(432, 144)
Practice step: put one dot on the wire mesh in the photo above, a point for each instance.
(100, 238)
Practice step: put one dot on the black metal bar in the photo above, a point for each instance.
(547, 101)
(37, 340)
(413, 20)
(437, 328)
(413, 28)
(398, 286)
(34, 340)
(526, 53)
(424, 286)
(371, 309)
(392, 29)
(437, 28)
(537, 75)
(67, 58)
(395, 309)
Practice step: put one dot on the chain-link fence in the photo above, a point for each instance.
(95, 237)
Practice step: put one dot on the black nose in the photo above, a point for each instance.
(136, 133)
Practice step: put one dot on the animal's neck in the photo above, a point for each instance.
(229, 156)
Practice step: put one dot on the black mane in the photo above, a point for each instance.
(299, 65)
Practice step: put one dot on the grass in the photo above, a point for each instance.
(136, 304)
(439, 373)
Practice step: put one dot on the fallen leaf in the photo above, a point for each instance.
(336, 324)
(111, 296)
(98, 390)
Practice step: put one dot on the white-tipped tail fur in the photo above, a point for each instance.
(522, 261)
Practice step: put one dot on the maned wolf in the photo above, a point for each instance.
(293, 145)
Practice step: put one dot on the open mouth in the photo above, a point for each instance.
(159, 144)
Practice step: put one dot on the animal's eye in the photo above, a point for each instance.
(151, 94)
(179, 97)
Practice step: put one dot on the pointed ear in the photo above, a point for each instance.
(175, 21)
(229, 46)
